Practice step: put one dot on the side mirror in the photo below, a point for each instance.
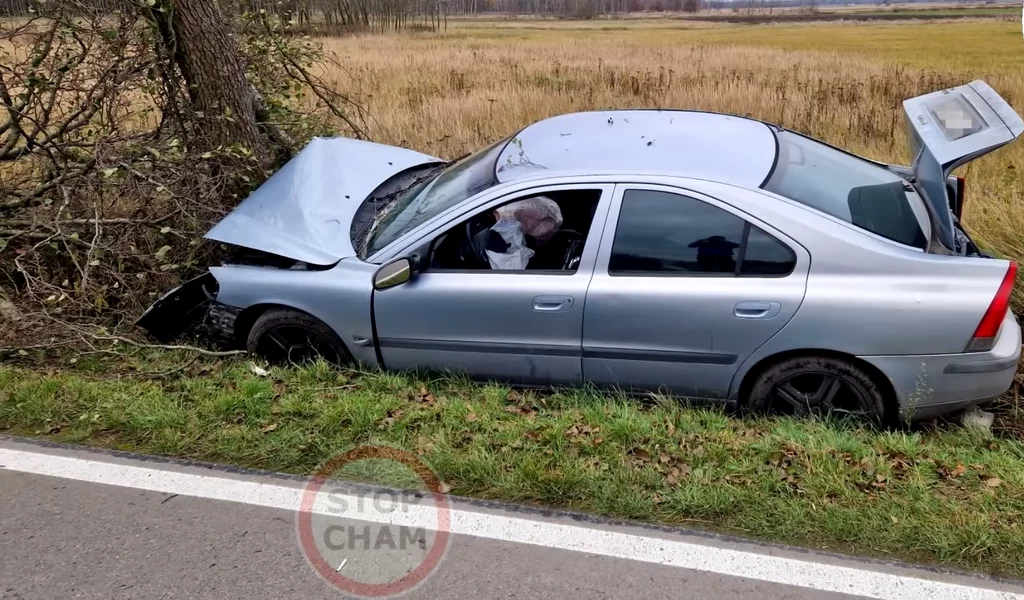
(393, 273)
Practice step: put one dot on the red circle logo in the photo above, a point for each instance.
(371, 542)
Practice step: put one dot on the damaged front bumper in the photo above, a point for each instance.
(191, 308)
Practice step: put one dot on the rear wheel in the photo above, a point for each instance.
(284, 335)
(817, 385)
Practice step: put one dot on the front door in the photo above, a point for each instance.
(516, 325)
(685, 288)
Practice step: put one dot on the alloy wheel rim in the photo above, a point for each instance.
(819, 393)
(294, 344)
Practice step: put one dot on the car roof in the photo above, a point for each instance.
(713, 146)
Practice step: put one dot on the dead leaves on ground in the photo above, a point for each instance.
(673, 457)
(951, 474)
(423, 397)
(640, 455)
(584, 435)
(672, 468)
(790, 462)
(391, 417)
(528, 436)
(524, 411)
(521, 405)
(880, 471)
(964, 477)
(681, 469)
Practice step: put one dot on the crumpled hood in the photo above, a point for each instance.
(304, 211)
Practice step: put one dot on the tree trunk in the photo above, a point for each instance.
(208, 58)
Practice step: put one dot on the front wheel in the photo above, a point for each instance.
(817, 385)
(285, 335)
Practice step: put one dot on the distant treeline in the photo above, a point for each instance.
(431, 14)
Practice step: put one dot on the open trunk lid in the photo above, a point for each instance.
(952, 127)
(304, 211)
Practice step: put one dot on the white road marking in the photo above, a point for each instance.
(686, 555)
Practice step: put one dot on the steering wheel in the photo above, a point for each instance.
(572, 234)
(473, 227)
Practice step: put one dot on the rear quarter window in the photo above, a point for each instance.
(849, 188)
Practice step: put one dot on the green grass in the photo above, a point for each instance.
(953, 498)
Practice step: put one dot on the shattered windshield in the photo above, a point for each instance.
(428, 199)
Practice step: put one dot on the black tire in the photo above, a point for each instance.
(285, 335)
(817, 385)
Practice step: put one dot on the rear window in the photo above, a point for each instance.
(848, 188)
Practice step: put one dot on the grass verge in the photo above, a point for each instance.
(954, 498)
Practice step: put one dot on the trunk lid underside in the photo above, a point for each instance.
(950, 128)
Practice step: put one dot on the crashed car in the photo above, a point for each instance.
(707, 255)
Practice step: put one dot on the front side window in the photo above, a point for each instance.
(661, 233)
(539, 233)
(848, 188)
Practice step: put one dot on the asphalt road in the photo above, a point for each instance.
(62, 537)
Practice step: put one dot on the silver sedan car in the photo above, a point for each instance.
(705, 255)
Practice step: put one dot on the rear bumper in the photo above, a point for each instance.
(934, 384)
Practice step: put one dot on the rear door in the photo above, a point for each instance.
(685, 288)
(949, 128)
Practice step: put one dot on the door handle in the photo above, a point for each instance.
(756, 309)
(552, 303)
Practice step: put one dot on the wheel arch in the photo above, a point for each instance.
(339, 298)
(884, 383)
(248, 316)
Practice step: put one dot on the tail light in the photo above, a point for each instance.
(985, 335)
(961, 189)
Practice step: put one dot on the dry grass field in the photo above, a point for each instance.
(450, 93)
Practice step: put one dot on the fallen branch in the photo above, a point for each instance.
(32, 235)
(203, 351)
(116, 221)
(167, 372)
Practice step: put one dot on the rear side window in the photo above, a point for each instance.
(765, 255)
(848, 188)
(661, 233)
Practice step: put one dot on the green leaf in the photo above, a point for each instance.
(165, 230)
(162, 252)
